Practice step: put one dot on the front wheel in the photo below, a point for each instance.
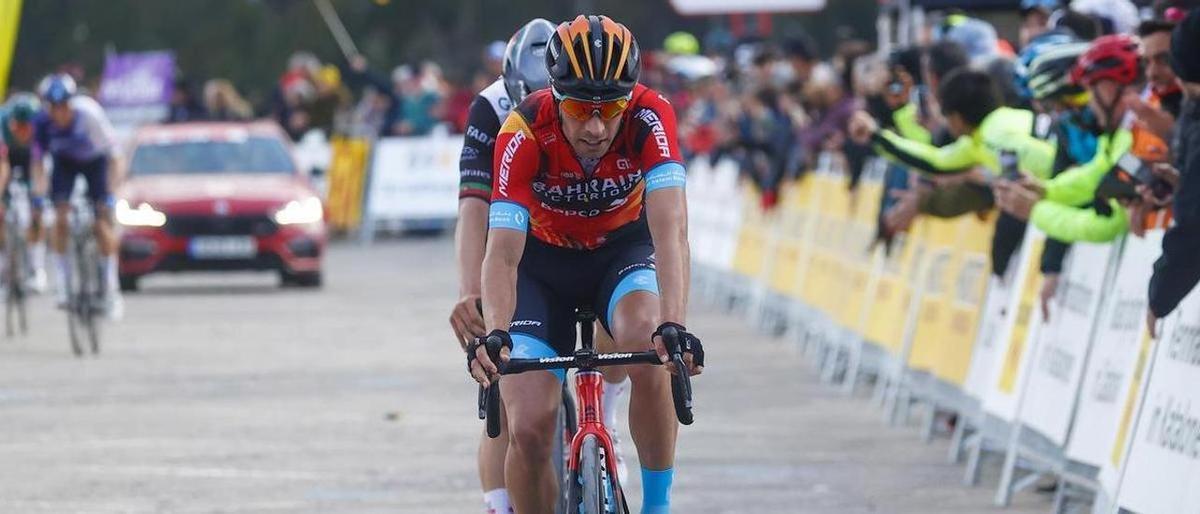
(591, 488)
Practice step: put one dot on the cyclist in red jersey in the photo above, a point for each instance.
(592, 170)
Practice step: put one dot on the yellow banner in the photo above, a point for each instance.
(1135, 387)
(347, 173)
(1024, 317)
(10, 20)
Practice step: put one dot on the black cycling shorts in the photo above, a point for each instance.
(95, 173)
(553, 281)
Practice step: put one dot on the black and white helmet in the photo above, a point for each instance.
(525, 60)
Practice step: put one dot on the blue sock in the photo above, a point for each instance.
(656, 491)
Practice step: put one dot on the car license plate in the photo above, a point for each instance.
(222, 247)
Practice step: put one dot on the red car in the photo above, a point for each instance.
(218, 196)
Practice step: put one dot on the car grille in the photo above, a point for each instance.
(220, 226)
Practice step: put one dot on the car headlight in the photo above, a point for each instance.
(298, 212)
(143, 216)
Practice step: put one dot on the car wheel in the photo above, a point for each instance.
(313, 279)
(307, 279)
(129, 283)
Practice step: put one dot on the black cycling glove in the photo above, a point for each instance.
(688, 343)
(494, 341)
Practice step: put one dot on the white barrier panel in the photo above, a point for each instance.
(726, 205)
(414, 179)
(1057, 367)
(1162, 471)
(1019, 332)
(1114, 353)
(703, 223)
(987, 341)
(714, 212)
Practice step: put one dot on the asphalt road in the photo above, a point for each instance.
(225, 393)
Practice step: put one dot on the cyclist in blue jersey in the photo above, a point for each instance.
(81, 142)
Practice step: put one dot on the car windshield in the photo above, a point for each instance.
(245, 155)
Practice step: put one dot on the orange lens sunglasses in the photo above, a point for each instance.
(583, 110)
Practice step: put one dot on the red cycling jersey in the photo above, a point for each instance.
(538, 171)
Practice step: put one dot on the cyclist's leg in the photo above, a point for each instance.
(532, 399)
(96, 174)
(37, 242)
(616, 395)
(491, 468)
(62, 181)
(630, 309)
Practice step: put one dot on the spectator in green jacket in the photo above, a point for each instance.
(1112, 72)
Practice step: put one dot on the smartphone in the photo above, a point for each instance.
(1010, 165)
(1135, 167)
(1118, 184)
(1140, 174)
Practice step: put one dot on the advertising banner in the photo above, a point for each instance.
(136, 87)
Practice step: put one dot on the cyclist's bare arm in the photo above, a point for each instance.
(5, 170)
(504, 250)
(666, 213)
(38, 178)
(470, 236)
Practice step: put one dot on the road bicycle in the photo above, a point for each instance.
(85, 300)
(16, 248)
(590, 484)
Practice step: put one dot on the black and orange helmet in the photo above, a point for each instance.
(593, 58)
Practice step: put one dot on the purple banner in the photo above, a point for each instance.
(141, 79)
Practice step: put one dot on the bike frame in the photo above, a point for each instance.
(589, 389)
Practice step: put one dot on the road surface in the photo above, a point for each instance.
(224, 393)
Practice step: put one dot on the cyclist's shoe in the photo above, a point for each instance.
(114, 306)
(37, 281)
(622, 468)
(60, 296)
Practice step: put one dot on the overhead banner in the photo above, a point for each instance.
(1162, 471)
(1113, 358)
(1057, 367)
(10, 21)
(136, 87)
(694, 7)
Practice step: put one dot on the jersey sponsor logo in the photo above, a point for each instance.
(578, 213)
(469, 153)
(470, 174)
(624, 164)
(506, 159)
(525, 323)
(651, 119)
(634, 266)
(480, 135)
(594, 190)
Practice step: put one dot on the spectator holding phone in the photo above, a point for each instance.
(1178, 269)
